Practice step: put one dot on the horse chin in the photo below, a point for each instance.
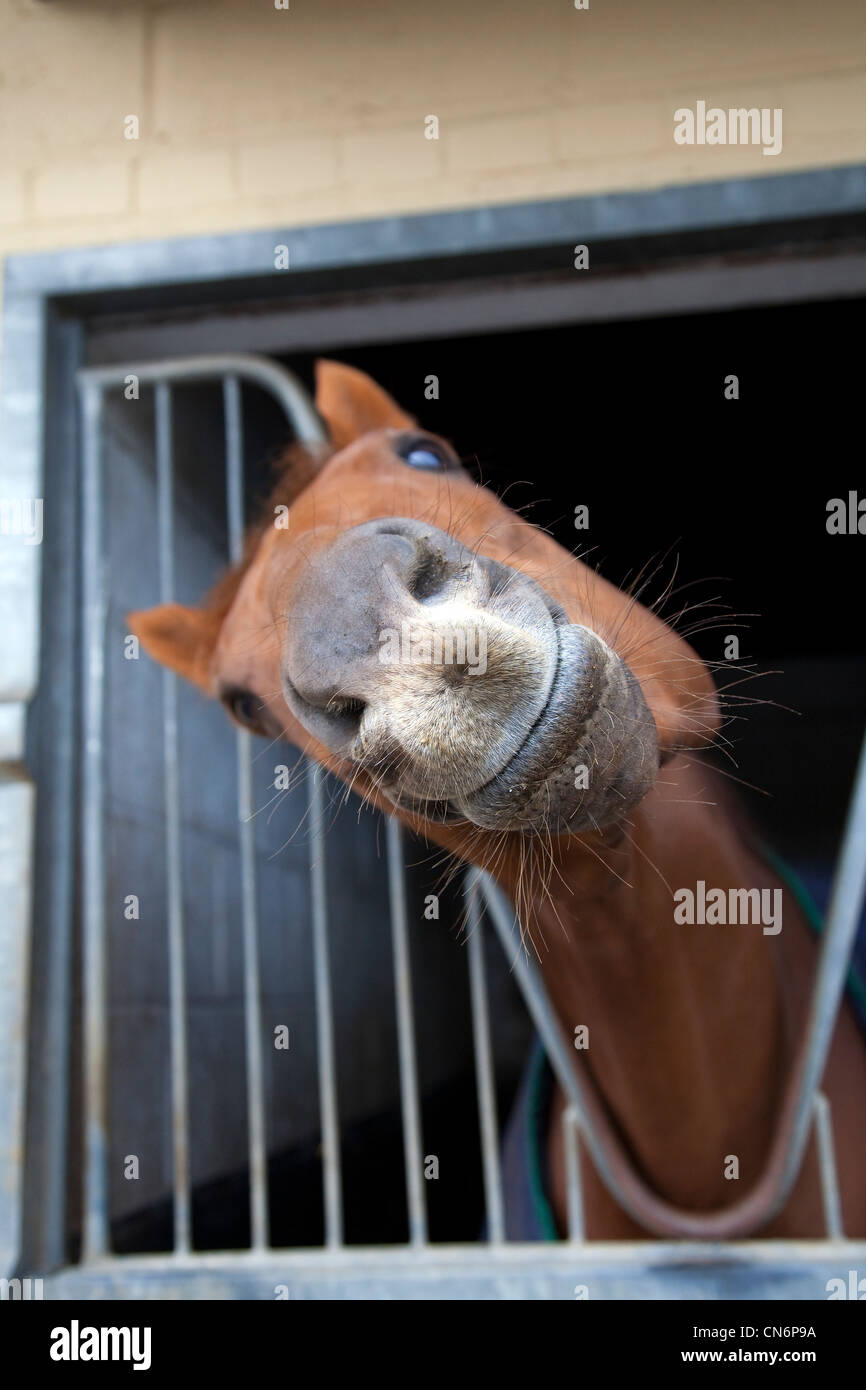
(588, 760)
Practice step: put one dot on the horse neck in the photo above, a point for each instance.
(684, 1022)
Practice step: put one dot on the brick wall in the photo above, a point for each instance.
(251, 115)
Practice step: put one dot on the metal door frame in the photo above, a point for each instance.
(56, 302)
(626, 1187)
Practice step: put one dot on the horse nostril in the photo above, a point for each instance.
(435, 576)
(345, 708)
(427, 576)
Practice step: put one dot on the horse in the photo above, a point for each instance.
(458, 668)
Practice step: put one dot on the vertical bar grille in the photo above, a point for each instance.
(848, 891)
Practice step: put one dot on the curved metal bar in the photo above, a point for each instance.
(830, 1195)
(614, 1167)
(843, 915)
(259, 371)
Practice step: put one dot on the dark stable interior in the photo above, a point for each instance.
(725, 500)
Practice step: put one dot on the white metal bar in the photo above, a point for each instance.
(827, 1165)
(95, 966)
(620, 1270)
(406, 1037)
(249, 885)
(613, 1166)
(173, 831)
(226, 366)
(324, 1016)
(573, 1187)
(484, 1068)
(843, 916)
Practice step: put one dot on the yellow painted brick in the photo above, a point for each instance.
(845, 147)
(631, 49)
(81, 190)
(501, 142)
(707, 164)
(11, 197)
(259, 68)
(727, 95)
(818, 105)
(70, 73)
(458, 60)
(185, 178)
(589, 132)
(407, 196)
(256, 117)
(341, 68)
(384, 156)
(289, 165)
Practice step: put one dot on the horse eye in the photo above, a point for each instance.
(246, 708)
(424, 453)
(424, 458)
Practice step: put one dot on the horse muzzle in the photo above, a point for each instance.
(459, 686)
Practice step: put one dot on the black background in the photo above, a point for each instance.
(630, 419)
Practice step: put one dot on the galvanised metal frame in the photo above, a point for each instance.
(52, 303)
(626, 1186)
(231, 371)
(307, 428)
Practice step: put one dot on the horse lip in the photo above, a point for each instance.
(534, 734)
(553, 736)
(546, 745)
(438, 812)
(556, 732)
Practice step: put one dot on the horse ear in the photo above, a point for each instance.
(179, 637)
(351, 404)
